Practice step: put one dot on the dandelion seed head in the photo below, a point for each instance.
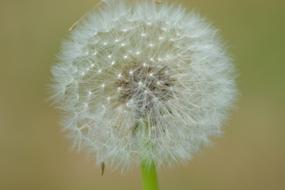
(153, 84)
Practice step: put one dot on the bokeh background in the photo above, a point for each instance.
(35, 155)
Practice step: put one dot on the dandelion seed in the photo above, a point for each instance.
(125, 30)
(120, 75)
(140, 83)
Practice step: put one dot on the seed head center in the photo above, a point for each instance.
(145, 85)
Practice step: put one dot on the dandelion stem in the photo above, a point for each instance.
(149, 176)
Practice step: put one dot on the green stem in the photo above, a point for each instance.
(149, 177)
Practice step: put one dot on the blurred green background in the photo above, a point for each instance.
(35, 155)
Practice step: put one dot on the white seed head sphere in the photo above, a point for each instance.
(143, 81)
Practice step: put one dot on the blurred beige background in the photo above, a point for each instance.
(35, 155)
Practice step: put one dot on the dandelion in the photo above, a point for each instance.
(143, 83)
